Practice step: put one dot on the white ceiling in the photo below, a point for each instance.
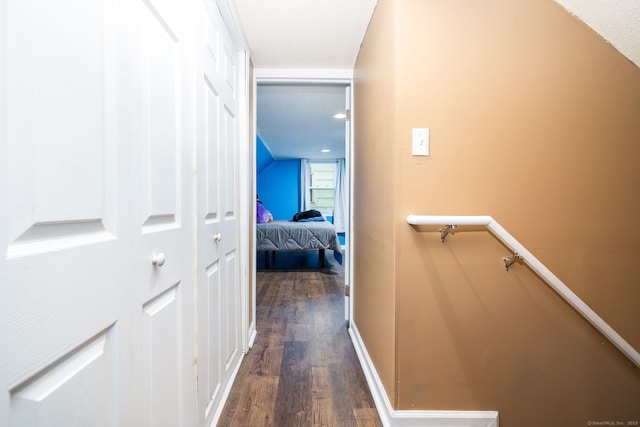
(304, 33)
(296, 121)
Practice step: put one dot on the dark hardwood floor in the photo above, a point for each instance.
(302, 369)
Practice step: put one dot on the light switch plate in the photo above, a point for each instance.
(420, 142)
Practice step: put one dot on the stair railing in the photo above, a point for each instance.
(521, 254)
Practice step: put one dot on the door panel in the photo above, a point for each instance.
(99, 175)
(212, 154)
(161, 119)
(219, 314)
(48, 87)
(61, 165)
(162, 341)
(229, 147)
(162, 168)
(209, 339)
(230, 310)
(38, 401)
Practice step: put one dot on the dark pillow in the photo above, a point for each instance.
(306, 215)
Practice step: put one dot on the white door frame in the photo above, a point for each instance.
(305, 75)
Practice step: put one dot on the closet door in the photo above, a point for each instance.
(162, 165)
(219, 310)
(97, 325)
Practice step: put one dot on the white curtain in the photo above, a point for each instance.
(339, 205)
(305, 192)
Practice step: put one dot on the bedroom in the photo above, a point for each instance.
(301, 144)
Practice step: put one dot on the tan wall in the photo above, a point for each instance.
(535, 120)
(374, 298)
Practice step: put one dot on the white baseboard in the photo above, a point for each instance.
(226, 392)
(445, 418)
(252, 333)
(380, 398)
(394, 418)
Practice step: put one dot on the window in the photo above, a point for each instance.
(322, 186)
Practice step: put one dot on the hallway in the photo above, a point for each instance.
(302, 369)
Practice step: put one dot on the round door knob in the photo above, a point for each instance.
(158, 259)
(217, 237)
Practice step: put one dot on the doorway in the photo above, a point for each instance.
(285, 104)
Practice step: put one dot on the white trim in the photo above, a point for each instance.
(400, 418)
(225, 393)
(253, 132)
(232, 22)
(312, 75)
(445, 418)
(320, 76)
(244, 185)
(350, 234)
(252, 333)
(380, 398)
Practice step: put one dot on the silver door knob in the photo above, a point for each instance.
(158, 259)
(217, 237)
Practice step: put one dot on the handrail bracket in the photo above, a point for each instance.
(510, 260)
(445, 231)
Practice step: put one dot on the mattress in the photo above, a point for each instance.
(297, 236)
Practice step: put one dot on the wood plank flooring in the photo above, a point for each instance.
(302, 370)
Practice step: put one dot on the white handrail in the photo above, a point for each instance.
(539, 268)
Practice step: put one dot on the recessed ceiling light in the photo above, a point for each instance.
(325, 150)
(340, 116)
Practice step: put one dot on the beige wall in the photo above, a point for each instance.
(535, 120)
(374, 197)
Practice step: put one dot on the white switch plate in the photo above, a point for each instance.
(420, 142)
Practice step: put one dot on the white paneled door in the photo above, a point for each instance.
(162, 166)
(219, 296)
(98, 263)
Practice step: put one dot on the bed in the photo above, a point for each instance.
(298, 236)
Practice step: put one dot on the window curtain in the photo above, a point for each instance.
(305, 192)
(339, 201)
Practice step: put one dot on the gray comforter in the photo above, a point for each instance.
(296, 236)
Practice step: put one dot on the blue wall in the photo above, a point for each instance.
(263, 156)
(278, 184)
(279, 188)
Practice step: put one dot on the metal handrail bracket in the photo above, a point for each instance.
(527, 258)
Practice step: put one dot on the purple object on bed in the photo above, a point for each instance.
(262, 213)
